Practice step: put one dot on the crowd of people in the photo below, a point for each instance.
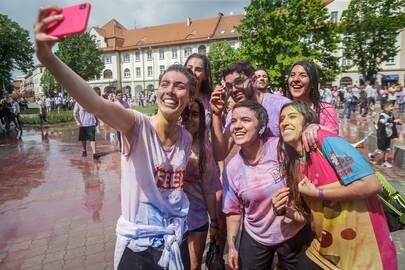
(10, 111)
(266, 173)
(363, 98)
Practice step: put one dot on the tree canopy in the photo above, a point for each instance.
(81, 54)
(221, 54)
(370, 29)
(16, 50)
(277, 33)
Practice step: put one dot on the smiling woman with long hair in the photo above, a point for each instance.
(199, 185)
(152, 230)
(251, 178)
(303, 84)
(339, 187)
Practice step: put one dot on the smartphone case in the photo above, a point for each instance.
(74, 20)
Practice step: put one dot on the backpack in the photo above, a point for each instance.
(393, 203)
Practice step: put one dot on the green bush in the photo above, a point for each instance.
(30, 111)
(52, 117)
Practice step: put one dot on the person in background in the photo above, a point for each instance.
(119, 97)
(86, 122)
(386, 131)
(42, 112)
(262, 81)
(363, 102)
(401, 99)
(348, 102)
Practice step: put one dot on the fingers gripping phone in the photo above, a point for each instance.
(74, 20)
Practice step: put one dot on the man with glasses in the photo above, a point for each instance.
(240, 84)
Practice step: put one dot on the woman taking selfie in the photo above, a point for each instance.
(151, 229)
(339, 187)
(251, 178)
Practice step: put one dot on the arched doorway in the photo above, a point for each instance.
(150, 88)
(345, 81)
(202, 49)
(138, 90)
(127, 90)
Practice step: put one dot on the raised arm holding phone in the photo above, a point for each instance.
(151, 230)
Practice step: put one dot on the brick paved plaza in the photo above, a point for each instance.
(58, 210)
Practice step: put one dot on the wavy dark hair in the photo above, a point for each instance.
(313, 75)
(260, 113)
(187, 72)
(289, 158)
(241, 67)
(206, 86)
(200, 134)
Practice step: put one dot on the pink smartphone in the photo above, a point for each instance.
(74, 20)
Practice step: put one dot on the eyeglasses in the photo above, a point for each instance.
(238, 83)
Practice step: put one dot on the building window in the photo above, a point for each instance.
(202, 50)
(149, 55)
(334, 16)
(98, 43)
(161, 53)
(127, 73)
(107, 74)
(346, 62)
(107, 59)
(126, 58)
(187, 51)
(391, 61)
(138, 72)
(161, 69)
(174, 53)
(150, 71)
(137, 56)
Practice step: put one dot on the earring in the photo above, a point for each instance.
(261, 131)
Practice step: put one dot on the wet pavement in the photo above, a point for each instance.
(58, 210)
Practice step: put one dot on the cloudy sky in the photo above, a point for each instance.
(130, 13)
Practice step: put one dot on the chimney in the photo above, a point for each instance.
(188, 21)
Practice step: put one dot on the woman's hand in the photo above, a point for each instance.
(44, 42)
(310, 136)
(306, 187)
(217, 100)
(280, 200)
(233, 259)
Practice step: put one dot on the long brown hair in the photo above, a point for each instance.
(200, 134)
(289, 158)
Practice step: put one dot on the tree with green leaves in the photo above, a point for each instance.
(50, 85)
(221, 54)
(278, 33)
(370, 29)
(81, 54)
(16, 50)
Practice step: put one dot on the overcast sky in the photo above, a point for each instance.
(128, 12)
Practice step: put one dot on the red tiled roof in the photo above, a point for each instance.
(162, 35)
(120, 38)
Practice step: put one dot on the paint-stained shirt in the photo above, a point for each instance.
(249, 189)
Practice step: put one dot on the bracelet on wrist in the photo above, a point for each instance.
(320, 194)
